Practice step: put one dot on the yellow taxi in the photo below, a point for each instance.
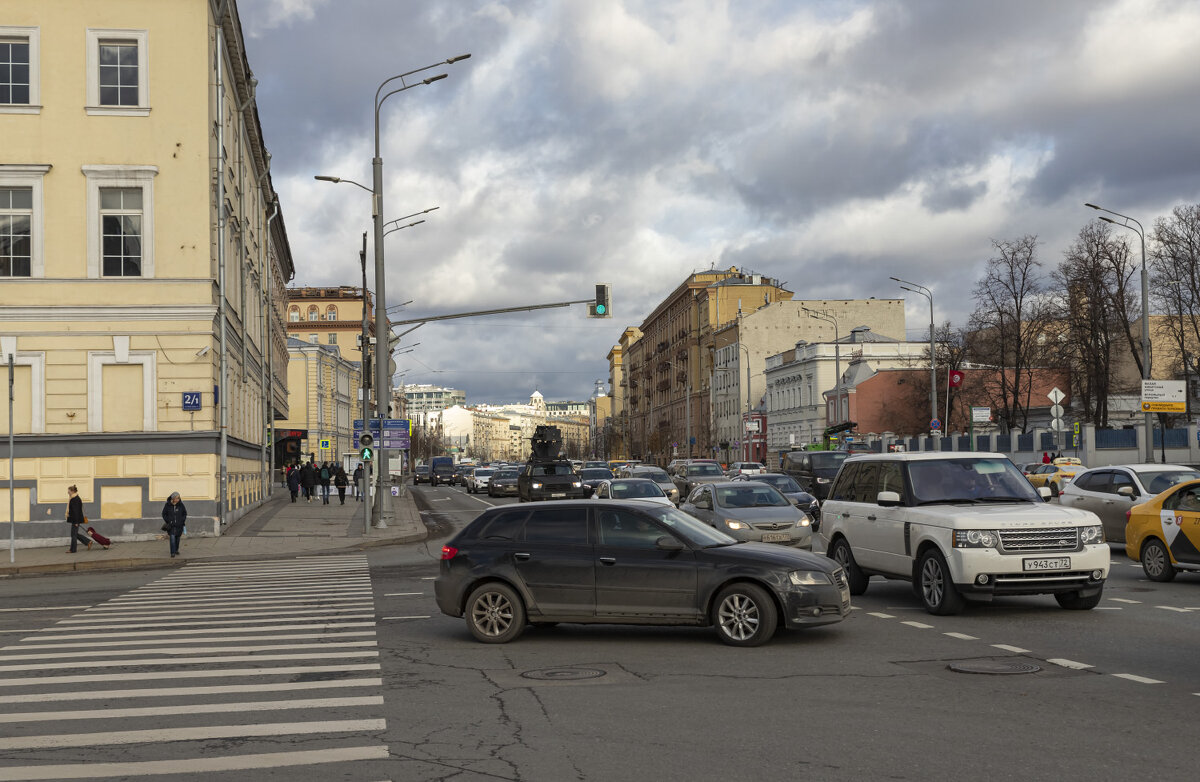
(1057, 474)
(1164, 533)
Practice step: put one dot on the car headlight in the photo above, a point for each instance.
(535, 485)
(976, 538)
(809, 578)
(824, 480)
(1090, 535)
(804, 522)
(736, 524)
(577, 484)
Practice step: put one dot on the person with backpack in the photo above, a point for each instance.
(293, 481)
(308, 480)
(340, 480)
(358, 484)
(325, 475)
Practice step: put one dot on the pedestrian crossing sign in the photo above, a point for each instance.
(324, 445)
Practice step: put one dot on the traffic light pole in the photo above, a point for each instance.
(477, 313)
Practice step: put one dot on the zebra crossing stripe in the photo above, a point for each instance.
(109, 738)
(195, 708)
(236, 658)
(185, 692)
(152, 634)
(215, 673)
(204, 640)
(167, 650)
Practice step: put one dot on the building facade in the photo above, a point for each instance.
(419, 399)
(323, 403)
(145, 267)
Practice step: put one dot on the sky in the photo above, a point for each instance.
(827, 144)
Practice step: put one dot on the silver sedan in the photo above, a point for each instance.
(750, 511)
(642, 489)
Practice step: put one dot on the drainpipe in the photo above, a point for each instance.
(222, 382)
(268, 363)
(242, 270)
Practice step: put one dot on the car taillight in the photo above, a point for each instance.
(449, 552)
(1127, 515)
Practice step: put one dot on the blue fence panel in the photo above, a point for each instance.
(1004, 443)
(1176, 438)
(1025, 442)
(983, 442)
(1116, 438)
(964, 442)
(947, 443)
(1049, 442)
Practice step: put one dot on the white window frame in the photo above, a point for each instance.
(31, 177)
(33, 36)
(119, 176)
(97, 359)
(94, 37)
(36, 361)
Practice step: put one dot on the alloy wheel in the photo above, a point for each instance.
(739, 617)
(492, 613)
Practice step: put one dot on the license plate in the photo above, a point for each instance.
(776, 537)
(558, 494)
(1047, 563)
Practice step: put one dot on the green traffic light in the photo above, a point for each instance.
(601, 309)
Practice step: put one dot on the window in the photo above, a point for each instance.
(16, 231)
(19, 77)
(629, 530)
(121, 231)
(333, 339)
(561, 525)
(331, 312)
(117, 81)
(294, 315)
(314, 339)
(313, 313)
(120, 221)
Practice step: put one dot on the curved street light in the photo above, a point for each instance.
(1136, 227)
(913, 287)
(414, 214)
(837, 357)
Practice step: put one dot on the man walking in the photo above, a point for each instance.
(358, 485)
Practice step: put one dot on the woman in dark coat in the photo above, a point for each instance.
(174, 518)
(75, 518)
(308, 479)
(293, 482)
(324, 475)
(341, 480)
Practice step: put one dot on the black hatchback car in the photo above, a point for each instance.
(626, 562)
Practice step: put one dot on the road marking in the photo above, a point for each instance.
(236, 658)
(1131, 677)
(404, 617)
(402, 594)
(52, 655)
(1109, 608)
(47, 608)
(918, 625)
(216, 673)
(881, 616)
(189, 734)
(428, 578)
(1123, 600)
(1173, 608)
(265, 623)
(213, 639)
(194, 708)
(173, 692)
(962, 636)
(1007, 648)
(292, 613)
(183, 765)
(157, 634)
(1069, 664)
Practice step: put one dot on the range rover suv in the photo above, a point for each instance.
(960, 527)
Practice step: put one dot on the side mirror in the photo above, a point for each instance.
(704, 502)
(668, 543)
(887, 499)
(1126, 491)
(1044, 492)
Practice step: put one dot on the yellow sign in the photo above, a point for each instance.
(324, 445)
(1075, 427)
(1164, 407)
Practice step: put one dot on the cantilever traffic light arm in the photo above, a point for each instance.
(500, 311)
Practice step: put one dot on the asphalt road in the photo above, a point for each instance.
(869, 698)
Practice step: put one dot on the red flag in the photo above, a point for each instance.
(956, 379)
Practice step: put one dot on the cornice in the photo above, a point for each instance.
(109, 313)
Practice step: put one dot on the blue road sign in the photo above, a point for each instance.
(935, 424)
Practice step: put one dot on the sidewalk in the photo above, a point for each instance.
(279, 528)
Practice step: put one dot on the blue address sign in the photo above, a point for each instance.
(191, 400)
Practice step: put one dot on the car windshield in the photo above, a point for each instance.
(592, 474)
(1159, 481)
(627, 490)
(783, 483)
(749, 496)
(552, 469)
(483, 473)
(658, 476)
(828, 460)
(689, 528)
(969, 480)
(505, 474)
(704, 469)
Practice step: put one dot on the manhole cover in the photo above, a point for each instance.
(563, 674)
(993, 668)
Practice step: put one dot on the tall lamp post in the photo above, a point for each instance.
(837, 355)
(912, 287)
(1135, 226)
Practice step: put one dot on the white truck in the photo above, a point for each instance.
(960, 526)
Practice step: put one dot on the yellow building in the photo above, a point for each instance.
(146, 325)
(322, 404)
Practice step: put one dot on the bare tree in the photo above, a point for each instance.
(1008, 326)
(950, 353)
(1175, 267)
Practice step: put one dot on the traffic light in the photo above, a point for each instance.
(602, 306)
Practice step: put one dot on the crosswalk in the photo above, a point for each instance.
(248, 670)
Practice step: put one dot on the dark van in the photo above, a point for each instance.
(814, 470)
(441, 470)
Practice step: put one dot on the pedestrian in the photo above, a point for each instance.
(340, 480)
(358, 476)
(1045, 457)
(326, 474)
(293, 481)
(308, 480)
(174, 515)
(75, 517)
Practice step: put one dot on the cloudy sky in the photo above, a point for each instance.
(830, 144)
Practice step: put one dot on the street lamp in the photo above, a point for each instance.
(837, 356)
(912, 287)
(1135, 226)
(414, 214)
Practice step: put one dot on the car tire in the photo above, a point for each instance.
(495, 613)
(1156, 561)
(744, 615)
(1073, 602)
(857, 580)
(938, 593)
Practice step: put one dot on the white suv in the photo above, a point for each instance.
(960, 526)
